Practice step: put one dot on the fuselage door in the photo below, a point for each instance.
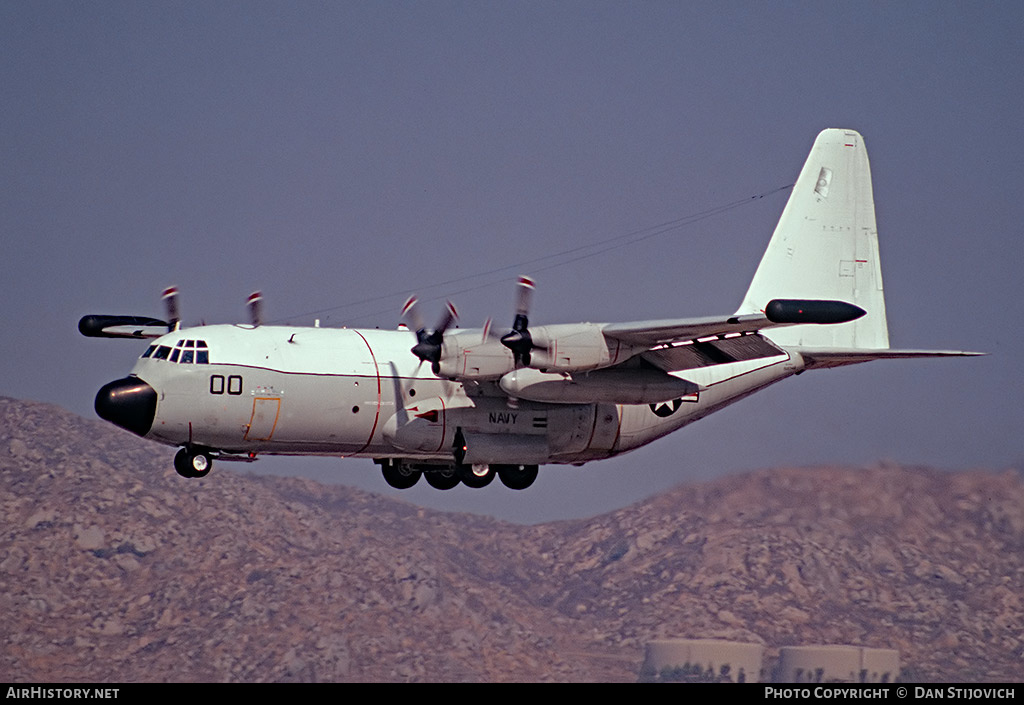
(265, 411)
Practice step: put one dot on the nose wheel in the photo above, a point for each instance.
(192, 463)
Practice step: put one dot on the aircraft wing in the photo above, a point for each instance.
(686, 343)
(663, 332)
(777, 312)
(697, 342)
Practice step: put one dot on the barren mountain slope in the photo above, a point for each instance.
(115, 569)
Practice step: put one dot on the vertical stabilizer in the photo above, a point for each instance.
(826, 247)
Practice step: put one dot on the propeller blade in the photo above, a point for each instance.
(449, 316)
(519, 340)
(170, 297)
(526, 287)
(429, 344)
(411, 313)
(255, 305)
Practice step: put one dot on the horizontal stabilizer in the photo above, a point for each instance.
(837, 357)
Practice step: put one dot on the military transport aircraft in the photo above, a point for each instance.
(457, 405)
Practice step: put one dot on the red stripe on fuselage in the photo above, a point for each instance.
(376, 418)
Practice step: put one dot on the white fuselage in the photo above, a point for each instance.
(460, 406)
(361, 393)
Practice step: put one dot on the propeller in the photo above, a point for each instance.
(255, 306)
(519, 340)
(170, 297)
(429, 344)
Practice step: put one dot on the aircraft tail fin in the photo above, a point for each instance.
(825, 247)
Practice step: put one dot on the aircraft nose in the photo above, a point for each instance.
(129, 403)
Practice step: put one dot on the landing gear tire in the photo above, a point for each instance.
(399, 476)
(517, 477)
(476, 476)
(442, 480)
(192, 463)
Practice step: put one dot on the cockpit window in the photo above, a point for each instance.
(186, 352)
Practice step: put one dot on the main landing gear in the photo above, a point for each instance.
(475, 476)
(517, 477)
(402, 475)
(193, 462)
(398, 474)
(442, 479)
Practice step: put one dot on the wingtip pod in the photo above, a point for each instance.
(811, 311)
(135, 327)
(103, 326)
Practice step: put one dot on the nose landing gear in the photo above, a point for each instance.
(193, 463)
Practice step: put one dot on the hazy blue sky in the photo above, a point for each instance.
(330, 153)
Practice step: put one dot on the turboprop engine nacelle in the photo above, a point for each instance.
(641, 385)
(465, 356)
(575, 348)
(558, 348)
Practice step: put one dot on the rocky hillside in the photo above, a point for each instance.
(112, 568)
